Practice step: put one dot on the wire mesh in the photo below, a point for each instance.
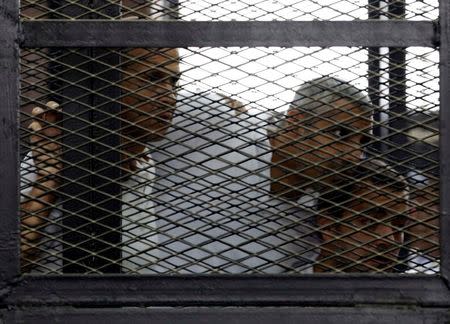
(227, 10)
(230, 160)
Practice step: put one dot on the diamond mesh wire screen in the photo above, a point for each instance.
(230, 160)
(264, 10)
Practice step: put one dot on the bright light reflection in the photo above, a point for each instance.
(266, 78)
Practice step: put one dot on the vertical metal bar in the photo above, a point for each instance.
(397, 106)
(378, 87)
(374, 78)
(77, 149)
(92, 207)
(76, 191)
(373, 63)
(397, 88)
(444, 69)
(397, 92)
(106, 209)
(9, 98)
(106, 128)
(70, 87)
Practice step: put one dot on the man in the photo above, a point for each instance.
(361, 221)
(149, 85)
(227, 201)
(325, 129)
(230, 202)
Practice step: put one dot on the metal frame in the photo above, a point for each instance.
(94, 168)
(251, 315)
(379, 293)
(88, 33)
(9, 157)
(267, 290)
(444, 13)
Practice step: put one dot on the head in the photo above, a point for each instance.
(325, 128)
(149, 93)
(360, 222)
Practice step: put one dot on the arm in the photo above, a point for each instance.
(46, 156)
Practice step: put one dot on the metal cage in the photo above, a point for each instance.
(93, 32)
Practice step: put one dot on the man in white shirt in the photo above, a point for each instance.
(214, 207)
(149, 82)
(231, 201)
(227, 200)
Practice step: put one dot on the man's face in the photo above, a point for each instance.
(367, 237)
(329, 142)
(149, 93)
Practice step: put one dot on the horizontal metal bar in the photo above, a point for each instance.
(91, 33)
(316, 290)
(248, 315)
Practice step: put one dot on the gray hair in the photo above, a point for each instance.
(317, 96)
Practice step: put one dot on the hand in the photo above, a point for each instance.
(45, 147)
(235, 104)
(46, 152)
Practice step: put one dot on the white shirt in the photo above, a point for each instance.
(214, 212)
(138, 222)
